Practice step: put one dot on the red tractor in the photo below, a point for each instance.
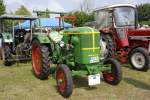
(121, 36)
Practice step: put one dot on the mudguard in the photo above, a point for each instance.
(7, 37)
(42, 38)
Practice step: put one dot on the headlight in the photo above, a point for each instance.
(62, 44)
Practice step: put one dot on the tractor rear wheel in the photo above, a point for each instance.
(40, 60)
(139, 59)
(64, 80)
(113, 76)
(110, 45)
(7, 56)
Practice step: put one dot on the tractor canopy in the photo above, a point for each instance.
(120, 15)
(43, 22)
(86, 44)
(7, 23)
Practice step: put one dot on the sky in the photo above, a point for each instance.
(62, 5)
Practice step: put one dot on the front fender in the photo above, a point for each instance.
(7, 37)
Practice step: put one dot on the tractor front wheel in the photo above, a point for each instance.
(64, 80)
(139, 59)
(40, 60)
(113, 76)
(7, 56)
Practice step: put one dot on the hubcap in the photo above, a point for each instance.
(61, 81)
(109, 76)
(138, 60)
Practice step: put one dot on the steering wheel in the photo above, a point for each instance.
(20, 33)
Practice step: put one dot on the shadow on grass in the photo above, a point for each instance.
(137, 83)
(37, 76)
(127, 65)
(82, 82)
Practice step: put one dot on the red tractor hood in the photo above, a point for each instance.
(139, 32)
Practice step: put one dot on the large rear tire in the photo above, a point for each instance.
(139, 59)
(110, 45)
(40, 60)
(114, 76)
(64, 80)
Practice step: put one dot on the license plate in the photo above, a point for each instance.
(94, 79)
(94, 59)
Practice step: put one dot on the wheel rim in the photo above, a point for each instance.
(109, 76)
(104, 50)
(36, 59)
(138, 60)
(61, 81)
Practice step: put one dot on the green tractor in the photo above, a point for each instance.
(15, 45)
(74, 52)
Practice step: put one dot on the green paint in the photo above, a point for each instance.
(7, 37)
(80, 52)
(84, 49)
(42, 38)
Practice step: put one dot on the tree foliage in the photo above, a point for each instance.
(86, 6)
(2, 7)
(144, 13)
(22, 11)
(82, 17)
(45, 14)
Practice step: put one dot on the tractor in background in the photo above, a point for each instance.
(121, 37)
(15, 45)
(72, 52)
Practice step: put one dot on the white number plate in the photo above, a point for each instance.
(94, 79)
(94, 59)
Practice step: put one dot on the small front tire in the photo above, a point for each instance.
(64, 80)
(7, 56)
(114, 76)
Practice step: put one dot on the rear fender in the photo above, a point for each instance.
(7, 37)
(135, 47)
(43, 39)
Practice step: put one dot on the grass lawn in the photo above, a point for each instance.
(18, 83)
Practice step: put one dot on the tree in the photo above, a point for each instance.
(82, 17)
(86, 6)
(2, 7)
(45, 14)
(22, 11)
(144, 13)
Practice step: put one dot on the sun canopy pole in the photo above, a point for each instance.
(31, 29)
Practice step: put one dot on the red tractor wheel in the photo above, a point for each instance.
(40, 60)
(114, 76)
(139, 59)
(64, 80)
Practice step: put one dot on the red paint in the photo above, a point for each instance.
(109, 76)
(139, 32)
(61, 77)
(36, 60)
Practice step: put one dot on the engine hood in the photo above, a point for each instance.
(139, 32)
